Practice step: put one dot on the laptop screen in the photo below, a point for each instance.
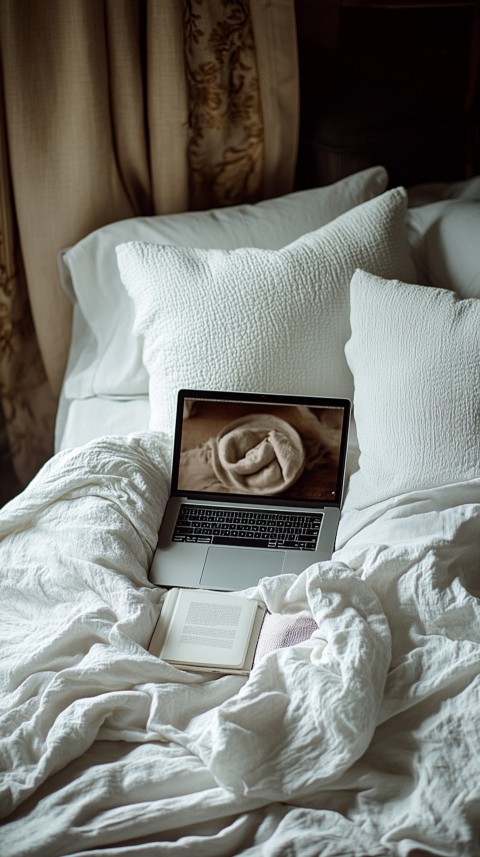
(264, 448)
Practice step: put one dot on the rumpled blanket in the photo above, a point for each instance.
(362, 740)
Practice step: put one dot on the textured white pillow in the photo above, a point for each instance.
(415, 357)
(105, 357)
(259, 320)
(445, 242)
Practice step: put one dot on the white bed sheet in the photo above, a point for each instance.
(362, 741)
(81, 420)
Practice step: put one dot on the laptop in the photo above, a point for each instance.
(256, 488)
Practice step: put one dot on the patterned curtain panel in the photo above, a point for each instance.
(27, 402)
(112, 109)
(240, 61)
(225, 114)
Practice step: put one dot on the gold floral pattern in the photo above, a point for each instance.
(225, 148)
(28, 406)
(26, 402)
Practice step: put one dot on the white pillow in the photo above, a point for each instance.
(105, 357)
(423, 194)
(445, 242)
(258, 320)
(415, 357)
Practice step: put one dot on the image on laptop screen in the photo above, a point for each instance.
(261, 449)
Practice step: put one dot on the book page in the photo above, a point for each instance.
(209, 628)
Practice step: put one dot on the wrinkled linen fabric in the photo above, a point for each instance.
(363, 739)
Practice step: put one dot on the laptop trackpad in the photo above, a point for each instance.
(238, 568)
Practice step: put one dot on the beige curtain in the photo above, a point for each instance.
(111, 109)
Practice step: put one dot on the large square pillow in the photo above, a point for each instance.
(105, 357)
(259, 320)
(414, 353)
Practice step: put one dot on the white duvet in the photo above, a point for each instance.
(363, 741)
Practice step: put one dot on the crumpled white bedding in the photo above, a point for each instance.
(364, 740)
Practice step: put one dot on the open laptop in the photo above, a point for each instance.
(256, 488)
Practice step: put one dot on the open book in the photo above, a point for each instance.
(208, 631)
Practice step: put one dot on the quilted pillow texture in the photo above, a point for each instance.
(259, 320)
(105, 357)
(415, 357)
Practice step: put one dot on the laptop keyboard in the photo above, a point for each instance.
(247, 527)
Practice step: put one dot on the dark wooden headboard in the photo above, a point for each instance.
(392, 82)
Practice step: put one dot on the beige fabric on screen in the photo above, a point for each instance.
(100, 125)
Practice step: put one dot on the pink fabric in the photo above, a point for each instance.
(280, 630)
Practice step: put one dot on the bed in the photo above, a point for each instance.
(361, 740)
